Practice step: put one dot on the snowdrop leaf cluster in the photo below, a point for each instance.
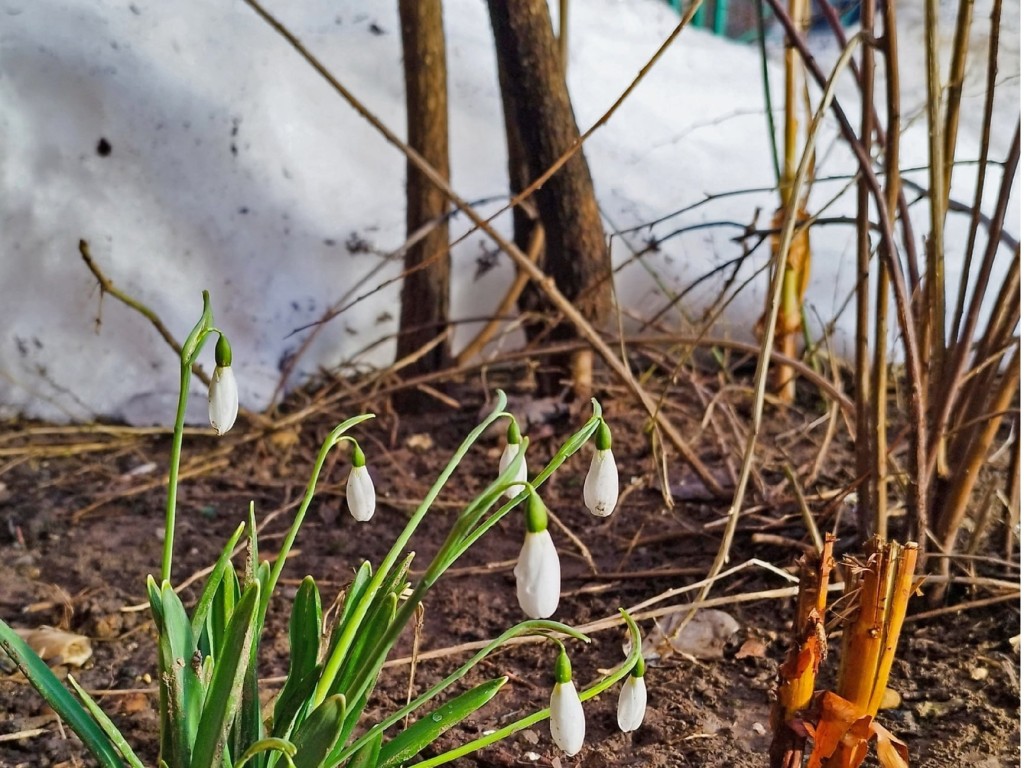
(203, 717)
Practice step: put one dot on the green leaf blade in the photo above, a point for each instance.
(104, 722)
(368, 755)
(225, 689)
(213, 582)
(180, 686)
(316, 737)
(304, 630)
(57, 696)
(424, 731)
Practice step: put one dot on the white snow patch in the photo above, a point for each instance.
(234, 167)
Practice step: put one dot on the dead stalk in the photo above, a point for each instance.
(966, 337)
(868, 508)
(918, 486)
(798, 673)
(979, 185)
(884, 585)
(768, 339)
(954, 88)
(1013, 491)
(933, 320)
(977, 441)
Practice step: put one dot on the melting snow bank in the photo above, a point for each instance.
(193, 149)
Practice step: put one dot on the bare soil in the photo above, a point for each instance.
(81, 515)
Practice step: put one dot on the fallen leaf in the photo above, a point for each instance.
(284, 439)
(131, 703)
(704, 637)
(751, 648)
(934, 709)
(890, 699)
(841, 722)
(892, 753)
(421, 442)
(142, 469)
(55, 646)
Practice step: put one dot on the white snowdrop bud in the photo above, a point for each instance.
(633, 699)
(601, 488)
(223, 390)
(568, 723)
(538, 572)
(512, 449)
(361, 496)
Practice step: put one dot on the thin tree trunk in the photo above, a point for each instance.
(524, 216)
(538, 100)
(424, 310)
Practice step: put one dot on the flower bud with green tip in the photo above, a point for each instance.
(538, 573)
(223, 389)
(601, 488)
(633, 699)
(361, 496)
(512, 448)
(568, 724)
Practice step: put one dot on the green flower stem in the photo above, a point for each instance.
(469, 519)
(458, 542)
(449, 552)
(172, 477)
(597, 688)
(477, 529)
(331, 440)
(526, 627)
(333, 664)
(189, 352)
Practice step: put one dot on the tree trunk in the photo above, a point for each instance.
(524, 215)
(535, 93)
(424, 310)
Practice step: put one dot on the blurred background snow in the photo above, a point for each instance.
(193, 149)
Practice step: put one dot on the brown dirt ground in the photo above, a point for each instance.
(80, 522)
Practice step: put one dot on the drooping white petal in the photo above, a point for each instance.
(568, 724)
(507, 455)
(538, 576)
(223, 399)
(362, 498)
(632, 703)
(601, 488)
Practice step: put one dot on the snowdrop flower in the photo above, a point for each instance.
(512, 449)
(568, 725)
(601, 488)
(633, 699)
(223, 389)
(362, 499)
(538, 573)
